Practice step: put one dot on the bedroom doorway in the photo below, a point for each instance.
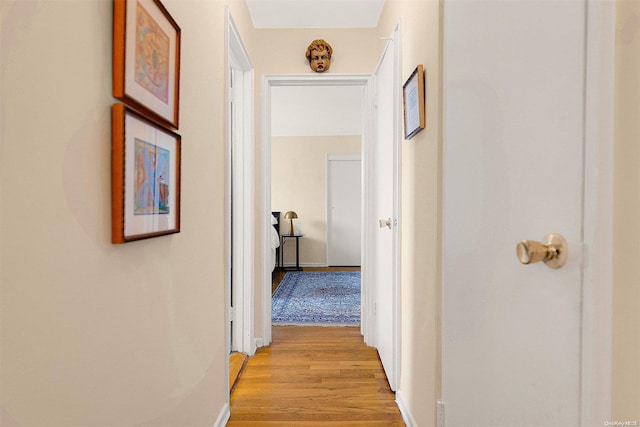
(316, 133)
(328, 84)
(380, 298)
(316, 146)
(381, 227)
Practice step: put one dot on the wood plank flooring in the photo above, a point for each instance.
(314, 376)
(236, 365)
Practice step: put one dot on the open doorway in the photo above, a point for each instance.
(316, 175)
(380, 177)
(316, 145)
(323, 87)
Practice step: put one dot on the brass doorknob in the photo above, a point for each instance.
(385, 223)
(554, 252)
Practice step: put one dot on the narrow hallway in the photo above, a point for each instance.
(314, 376)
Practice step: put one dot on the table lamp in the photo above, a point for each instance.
(291, 215)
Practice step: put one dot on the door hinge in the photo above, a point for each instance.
(439, 413)
(231, 314)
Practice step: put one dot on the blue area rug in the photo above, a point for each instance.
(317, 298)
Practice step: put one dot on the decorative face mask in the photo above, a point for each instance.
(320, 61)
(319, 55)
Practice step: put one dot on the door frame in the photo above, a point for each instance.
(275, 80)
(331, 158)
(393, 372)
(240, 177)
(599, 135)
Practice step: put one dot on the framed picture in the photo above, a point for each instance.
(145, 177)
(413, 100)
(146, 59)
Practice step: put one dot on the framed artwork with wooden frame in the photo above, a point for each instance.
(146, 59)
(145, 177)
(414, 101)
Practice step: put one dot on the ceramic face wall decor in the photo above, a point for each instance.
(319, 55)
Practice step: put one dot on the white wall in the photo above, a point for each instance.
(316, 111)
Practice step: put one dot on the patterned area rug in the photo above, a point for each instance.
(317, 298)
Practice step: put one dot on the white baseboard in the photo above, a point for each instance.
(310, 264)
(305, 264)
(224, 416)
(406, 414)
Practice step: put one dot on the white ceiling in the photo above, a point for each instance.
(315, 13)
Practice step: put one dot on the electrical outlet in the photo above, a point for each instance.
(439, 413)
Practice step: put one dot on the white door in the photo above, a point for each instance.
(240, 193)
(344, 221)
(385, 210)
(513, 170)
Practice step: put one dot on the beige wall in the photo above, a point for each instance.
(626, 290)
(94, 333)
(421, 195)
(282, 51)
(299, 183)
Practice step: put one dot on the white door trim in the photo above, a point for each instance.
(268, 82)
(330, 158)
(370, 337)
(238, 66)
(598, 213)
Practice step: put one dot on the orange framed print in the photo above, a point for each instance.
(414, 100)
(146, 59)
(145, 177)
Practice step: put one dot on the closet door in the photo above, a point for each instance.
(344, 206)
(513, 170)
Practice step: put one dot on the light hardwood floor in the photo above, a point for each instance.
(314, 376)
(237, 360)
(236, 365)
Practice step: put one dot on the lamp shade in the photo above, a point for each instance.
(291, 215)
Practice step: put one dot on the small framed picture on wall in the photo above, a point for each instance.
(146, 59)
(145, 177)
(413, 95)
